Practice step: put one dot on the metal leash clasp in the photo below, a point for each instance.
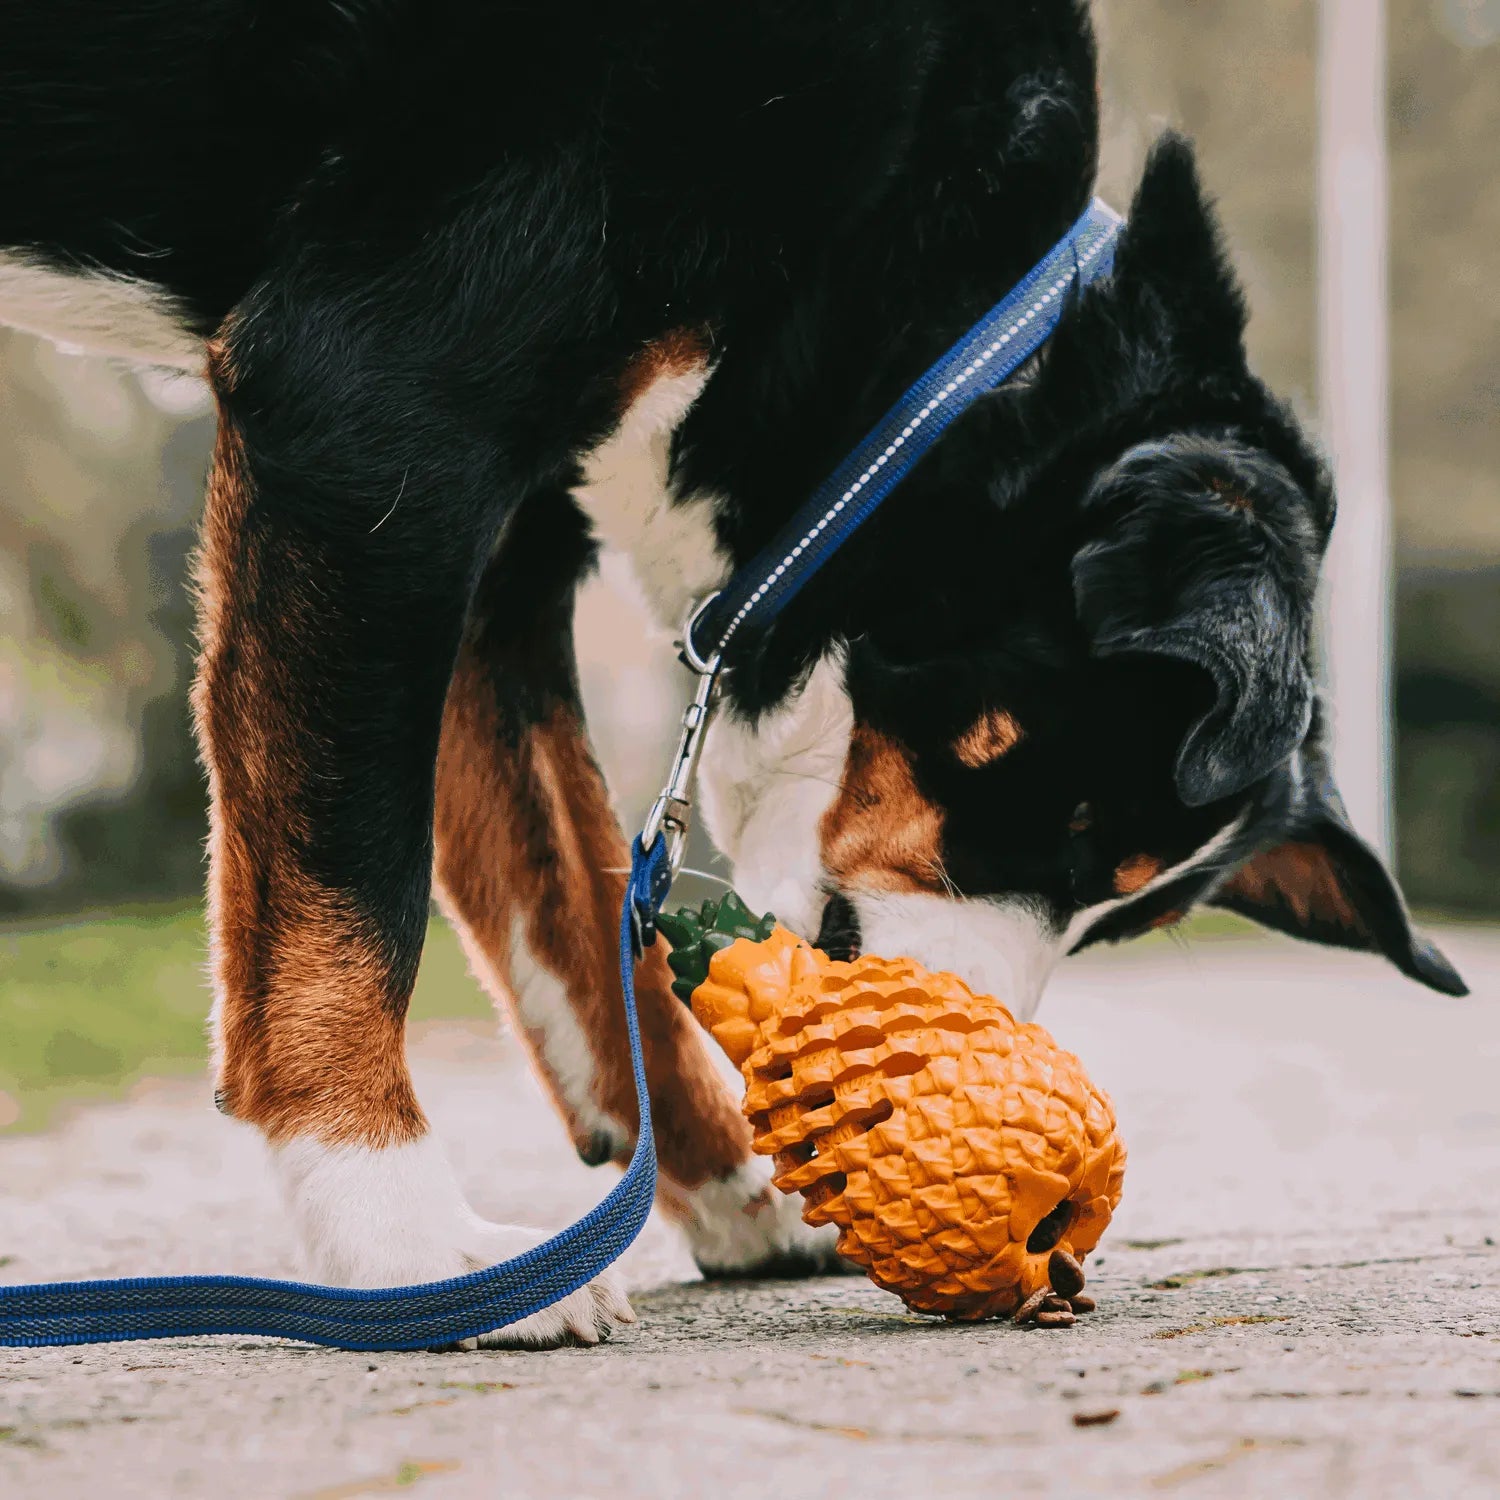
(671, 814)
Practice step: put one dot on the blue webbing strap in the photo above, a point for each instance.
(992, 351)
(408, 1317)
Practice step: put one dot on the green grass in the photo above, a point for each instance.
(90, 1005)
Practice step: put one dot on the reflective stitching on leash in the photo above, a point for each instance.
(1087, 251)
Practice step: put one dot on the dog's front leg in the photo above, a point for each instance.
(530, 862)
(347, 515)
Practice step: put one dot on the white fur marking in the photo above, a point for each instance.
(542, 1008)
(397, 1217)
(626, 493)
(1085, 919)
(97, 313)
(741, 1221)
(1004, 948)
(766, 787)
(1007, 947)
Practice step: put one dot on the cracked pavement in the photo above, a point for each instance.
(1300, 1294)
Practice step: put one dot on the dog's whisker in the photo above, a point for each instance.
(939, 869)
(837, 786)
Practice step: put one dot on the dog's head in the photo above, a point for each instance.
(1062, 690)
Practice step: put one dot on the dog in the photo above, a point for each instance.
(479, 288)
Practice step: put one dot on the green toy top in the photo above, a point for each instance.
(696, 936)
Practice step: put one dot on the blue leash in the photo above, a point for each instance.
(409, 1317)
(443, 1312)
(983, 359)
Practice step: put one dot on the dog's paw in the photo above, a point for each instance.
(741, 1226)
(397, 1217)
(586, 1316)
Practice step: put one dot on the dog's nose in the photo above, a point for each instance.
(838, 933)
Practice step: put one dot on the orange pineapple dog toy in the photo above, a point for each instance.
(967, 1159)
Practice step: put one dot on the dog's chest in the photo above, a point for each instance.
(627, 490)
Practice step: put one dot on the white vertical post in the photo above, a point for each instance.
(1354, 399)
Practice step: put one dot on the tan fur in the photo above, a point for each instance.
(678, 352)
(1301, 876)
(1135, 873)
(881, 833)
(524, 830)
(992, 735)
(309, 1015)
(1234, 498)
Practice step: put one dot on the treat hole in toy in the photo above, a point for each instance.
(1051, 1229)
(902, 1065)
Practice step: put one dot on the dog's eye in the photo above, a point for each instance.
(1082, 819)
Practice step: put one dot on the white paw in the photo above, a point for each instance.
(742, 1226)
(586, 1316)
(397, 1217)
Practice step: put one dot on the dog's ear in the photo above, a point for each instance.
(1172, 254)
(1325, 884)
(1205, 552)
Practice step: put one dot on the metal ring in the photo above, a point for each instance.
(704, 668)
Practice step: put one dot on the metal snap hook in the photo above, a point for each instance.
(671, 814)
(704, 667)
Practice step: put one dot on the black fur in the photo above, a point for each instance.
(430, 235)
(1209, 557)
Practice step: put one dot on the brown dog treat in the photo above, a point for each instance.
(1065, 1273)
(1030, 1307)
(1055, 1319)
(1082, 1304)
(1095, 1418)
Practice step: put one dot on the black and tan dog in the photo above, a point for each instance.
(477, 285)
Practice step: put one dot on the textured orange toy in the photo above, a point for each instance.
(968, 1161)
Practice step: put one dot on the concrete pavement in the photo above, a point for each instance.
(1299, 1296)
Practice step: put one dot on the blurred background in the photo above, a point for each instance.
(101, 472)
